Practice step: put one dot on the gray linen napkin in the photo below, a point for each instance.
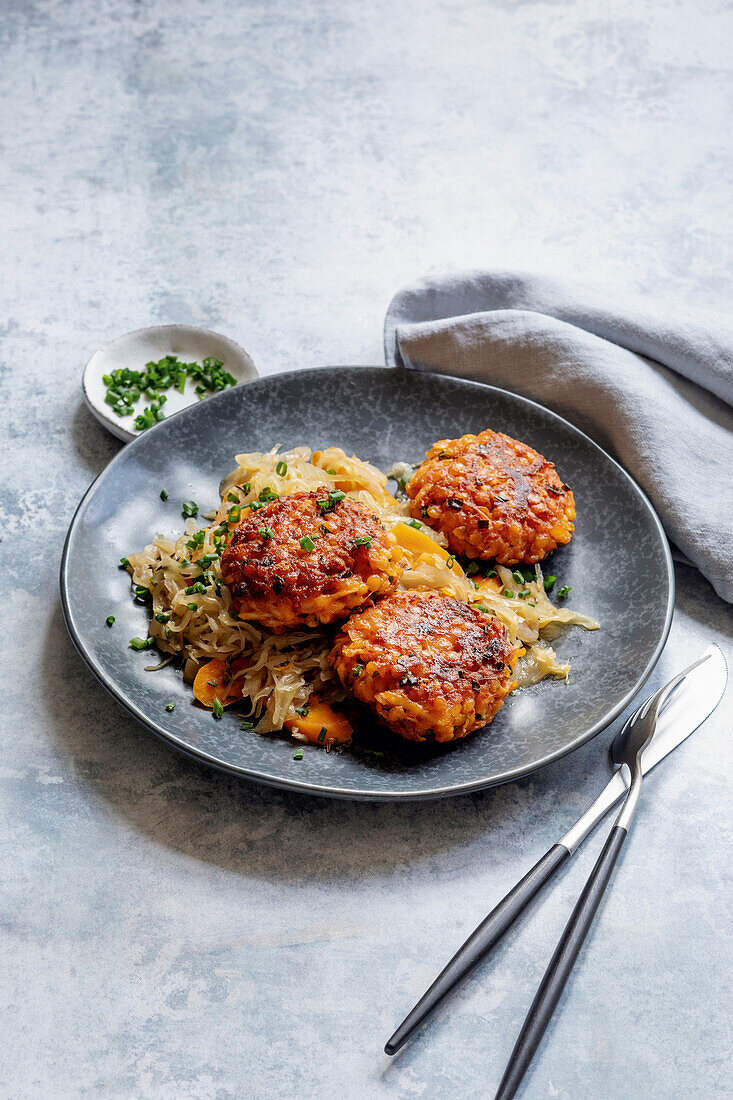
(655, 392)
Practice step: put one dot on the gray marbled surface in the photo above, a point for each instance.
(276, 171)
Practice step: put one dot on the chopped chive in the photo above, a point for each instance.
(323, 733)
(109, 620)
(481, 607)
(150, 415)
(298, 754)
(125, 386)
(564, 591)
(163, 494)
(450, 560)
(357, 670)
(490, 573)
(517, 577)
(216, 708)
(190, 508)
(525, 592)
(332, 472)
(196, 587)
(254, 505)
(233, 498)
(246, 488)
(234, 514)
(281, 469)
(415, 523)
(247, 726)
(472, 568)
(265, 533)
(161, 617)
(141, 592)
(508, 593)
(363, 540)
(141, 643)
(267, 495)
(192, 606)
(549, 583)
(170, 707)
(334, 496)
(307, 543)
(302, 711)
(124, 562)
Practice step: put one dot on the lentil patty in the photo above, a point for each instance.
(429, 665)
(493, 497)
(308, 560)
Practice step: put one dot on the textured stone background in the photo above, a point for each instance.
(276, 171)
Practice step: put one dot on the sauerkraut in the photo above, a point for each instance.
(193, 617)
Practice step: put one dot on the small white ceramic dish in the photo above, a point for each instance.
(133, 350)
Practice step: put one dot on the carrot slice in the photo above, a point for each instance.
(214, 681)
(417, 543)
(491, 584)
(322, 725)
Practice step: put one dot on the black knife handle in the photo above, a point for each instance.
(485, 936)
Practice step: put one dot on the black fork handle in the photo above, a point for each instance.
(561, 964)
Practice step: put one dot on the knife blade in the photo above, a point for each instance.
(693, 703)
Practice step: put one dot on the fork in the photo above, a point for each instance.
(493, 927)
(626, 752)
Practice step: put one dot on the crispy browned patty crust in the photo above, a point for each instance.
(493, 497)
(283, 584)
(430, 666)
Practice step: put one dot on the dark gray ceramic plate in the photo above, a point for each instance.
(618, 564)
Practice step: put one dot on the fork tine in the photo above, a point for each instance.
(659, 698)
(667, 690)
(649, 704)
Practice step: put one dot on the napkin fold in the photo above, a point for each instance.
(654, 391)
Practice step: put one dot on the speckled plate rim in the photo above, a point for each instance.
(424, 794)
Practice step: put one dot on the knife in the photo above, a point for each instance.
(688, 707)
